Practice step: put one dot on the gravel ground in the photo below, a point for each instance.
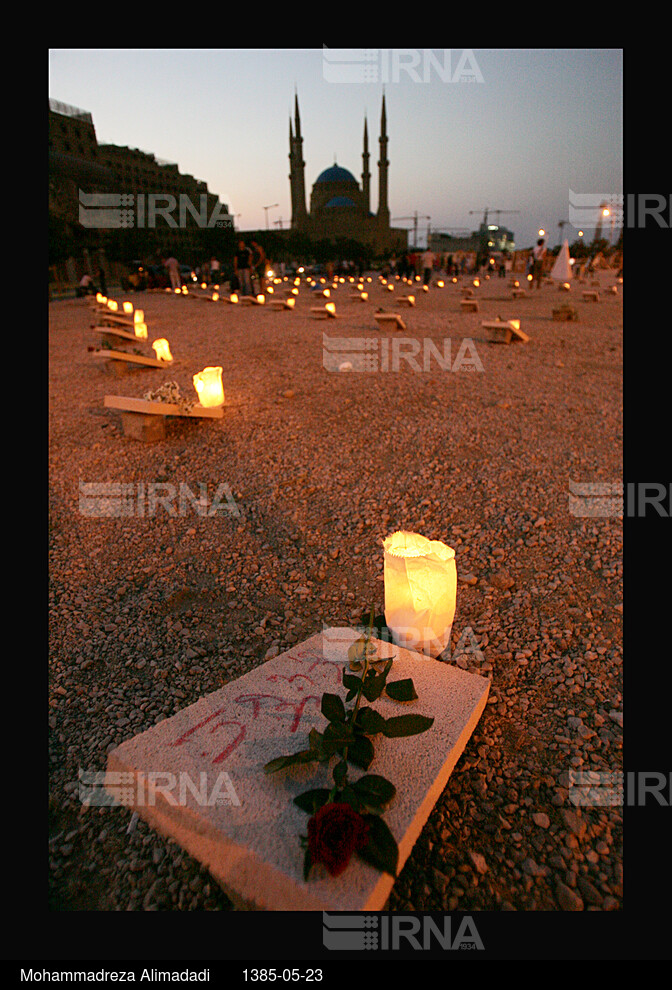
(149, 612)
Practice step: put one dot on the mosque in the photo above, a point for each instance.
(339, 206)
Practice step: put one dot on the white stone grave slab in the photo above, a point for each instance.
(198, 777)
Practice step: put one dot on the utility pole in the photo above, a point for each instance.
(414, 218)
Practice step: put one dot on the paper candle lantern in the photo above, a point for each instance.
(112, 305)
(128, 307)
(162, 349)
(208, 385)
(420, 591)
(138, 316)
(140, 330)
(100, 298)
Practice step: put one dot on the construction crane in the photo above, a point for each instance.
(415, 218)
(488, 210)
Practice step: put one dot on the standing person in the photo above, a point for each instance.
(242, 263)
(102, 281)
(85, 287)
(427, 265)
(538, 255)
(174, 272)
(259, 264)
(214, 271)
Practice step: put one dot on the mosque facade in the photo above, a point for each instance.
(340, 208)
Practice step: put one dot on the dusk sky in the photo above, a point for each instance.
(507, 129)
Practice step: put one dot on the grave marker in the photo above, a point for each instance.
(198, 777)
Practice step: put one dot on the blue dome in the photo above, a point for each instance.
(340, 201)
(336, 174)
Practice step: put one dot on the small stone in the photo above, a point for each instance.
(479, 862)
(501, 580)
(591, 894)
(541, 819)
(567, 898)
(468, 578)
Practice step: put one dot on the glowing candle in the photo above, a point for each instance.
(420, 579)
(208, 385)
(140, 330)
(128, 307)
(162, 349)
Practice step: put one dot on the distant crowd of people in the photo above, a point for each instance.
(247, 271)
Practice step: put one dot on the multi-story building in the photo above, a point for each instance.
(160, 210)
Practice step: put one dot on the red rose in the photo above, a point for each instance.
(335, 832)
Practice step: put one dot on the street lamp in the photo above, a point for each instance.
(267, 208)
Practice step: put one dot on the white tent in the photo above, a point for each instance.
(562, 270)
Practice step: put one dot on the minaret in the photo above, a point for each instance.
(296, 178)
(292, 182)
(383, 210)
(366, 175)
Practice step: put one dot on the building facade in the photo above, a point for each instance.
(166, 210)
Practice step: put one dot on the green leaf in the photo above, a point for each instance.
(378, 623)
(352, 683)
(332, 707)
(338, 734)
(375, 790)
(369, 721)
(407, 725)
(361, 753)
(373, 684)
(401, 690)
(381, 848)
(349, 680)
(311, 800)
(280, 762)
(349, 796)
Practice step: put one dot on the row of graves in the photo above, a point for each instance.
(304, 783)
